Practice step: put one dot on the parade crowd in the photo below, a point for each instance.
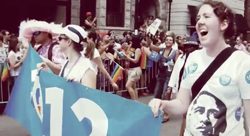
(162, 62)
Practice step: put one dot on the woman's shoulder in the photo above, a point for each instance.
(11, 53)
(240, 56)
(82, 65)
(197, 52)
(84, 61)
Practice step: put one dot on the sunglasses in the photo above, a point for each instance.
(84, 40)
(37, 33)
(62, 38)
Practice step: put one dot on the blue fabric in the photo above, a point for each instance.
(154, 56)
(75, 109)
(20, 106)
(150, 63)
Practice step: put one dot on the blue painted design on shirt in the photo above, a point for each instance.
(192, 68)
(247, 77)
(225, 80)
(238, 114)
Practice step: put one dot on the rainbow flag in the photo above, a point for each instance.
(117, 73)
(143, 60)
(5, 73)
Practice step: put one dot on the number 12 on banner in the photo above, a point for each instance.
(82, 108)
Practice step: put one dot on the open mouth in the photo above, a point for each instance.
(203, 33)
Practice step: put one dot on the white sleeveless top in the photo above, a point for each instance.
(77, 72)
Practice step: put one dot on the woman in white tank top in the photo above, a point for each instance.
(77, 68)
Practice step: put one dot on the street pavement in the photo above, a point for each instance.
(170, 128)
(9, 127)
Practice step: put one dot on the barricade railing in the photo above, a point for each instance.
(102, 82)
(4, 92)
(147, 76)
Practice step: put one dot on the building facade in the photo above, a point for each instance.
(119, 15)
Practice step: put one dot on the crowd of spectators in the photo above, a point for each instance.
(161, 50)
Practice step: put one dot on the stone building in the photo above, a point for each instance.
(119, 15)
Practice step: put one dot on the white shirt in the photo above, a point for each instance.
(3, 54)
(77, 71)
(17, 56)
(96, 55)
(240, 47)
(230, 84)
(174, 78)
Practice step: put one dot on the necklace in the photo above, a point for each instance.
(70, 69)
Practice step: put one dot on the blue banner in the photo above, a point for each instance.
(47, 104)
(19, 106)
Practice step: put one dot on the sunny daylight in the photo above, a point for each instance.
(124, 67)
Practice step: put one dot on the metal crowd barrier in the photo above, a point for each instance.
(4, 92)
(103, 84)
(148, 75)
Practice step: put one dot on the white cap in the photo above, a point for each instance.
(75, 33)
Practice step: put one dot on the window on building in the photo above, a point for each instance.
(115, 13)
(192, 13)
(63, 12)
(87, 6)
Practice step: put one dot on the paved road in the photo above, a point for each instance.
(170, 128)
(9, 127)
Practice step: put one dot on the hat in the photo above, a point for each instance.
(191, 41)
(27, 28)
(75, 33)
(88, 14)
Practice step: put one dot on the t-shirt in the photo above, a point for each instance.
(174, 78)
(217, 109)
(3, 54)
(17, 56)
(57, 55)
(165, 64)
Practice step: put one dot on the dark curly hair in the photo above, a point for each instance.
(223, 13)
(77, 46)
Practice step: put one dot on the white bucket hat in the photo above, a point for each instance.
(75, 33)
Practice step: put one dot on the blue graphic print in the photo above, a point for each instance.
(225, 80)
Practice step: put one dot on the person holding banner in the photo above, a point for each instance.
(77, 68)
(42, 35)
(229, 82)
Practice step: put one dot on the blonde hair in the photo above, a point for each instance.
(171, 34)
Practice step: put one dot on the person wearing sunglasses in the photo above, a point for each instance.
(48, 48)
(77, 67)
(40, 35)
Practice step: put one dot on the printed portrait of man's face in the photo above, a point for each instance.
(208, 115)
